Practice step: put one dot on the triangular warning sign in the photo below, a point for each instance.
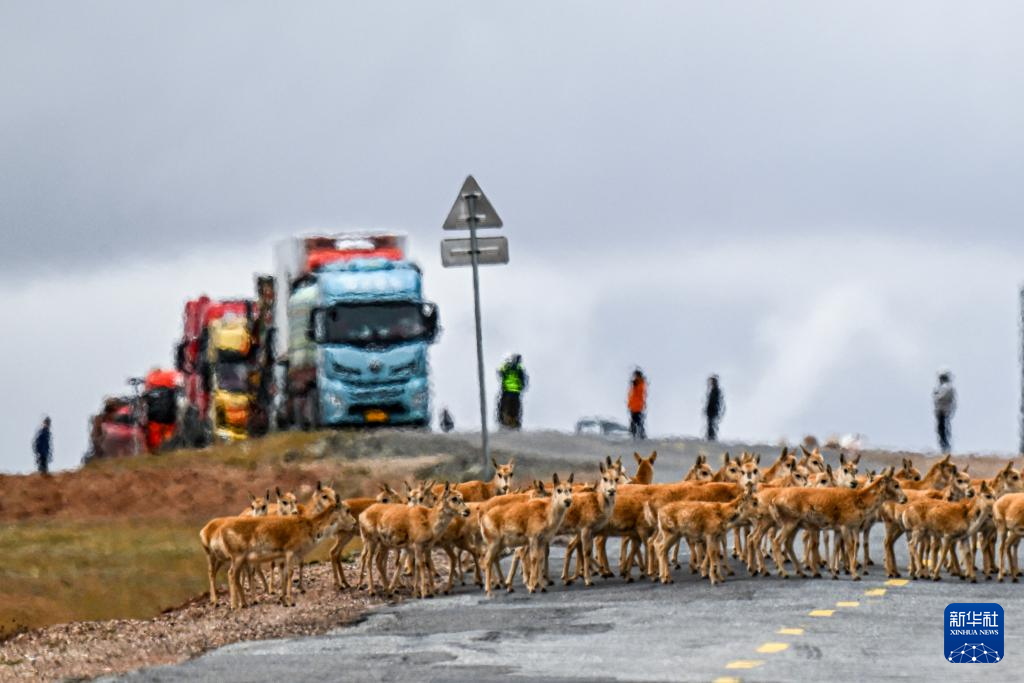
(458, 217)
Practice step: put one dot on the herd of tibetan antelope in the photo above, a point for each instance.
(948, 518)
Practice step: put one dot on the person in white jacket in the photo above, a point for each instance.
(944, 397)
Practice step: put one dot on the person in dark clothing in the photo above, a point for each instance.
(513, 383)
(714, 409)
(636, 403)
(41, 446)
(446, 421)
(944, 397)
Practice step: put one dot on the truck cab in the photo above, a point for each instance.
(358, 331)
(228, 351)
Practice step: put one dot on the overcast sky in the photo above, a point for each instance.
(819, 201)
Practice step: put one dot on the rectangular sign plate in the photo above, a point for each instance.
(375, 416)
(490, 251)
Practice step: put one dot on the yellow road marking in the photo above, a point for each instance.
(897, 582)
(848, 603)
(790, 631)
(822, 613)
(770, 648)
(744, 664)
(875, 592)
(726, 679)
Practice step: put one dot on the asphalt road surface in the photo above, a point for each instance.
(749, 629)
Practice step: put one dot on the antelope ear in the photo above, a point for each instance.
(785, 452)
(654, 456)
(807, 453)
(407, 487)
(600, 466)
(842, 458)
(757, 458)
(828, 469)
(608, 460)
(571, 474)
(447, 486)
(277, 490)
(967, 467)
(251, 497)
(554, 479)
(266, 496)
(727, 457)
(636, 456)
(511, 463)
(319, 486)
(856, 460)
(494, 462)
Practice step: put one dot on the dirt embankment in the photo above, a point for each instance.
(96, 523)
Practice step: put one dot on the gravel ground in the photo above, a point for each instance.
(96, 648)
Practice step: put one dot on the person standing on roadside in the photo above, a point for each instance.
(636, 403)
(944, 397)
(514, 382)
(42, 447)
(714, 408)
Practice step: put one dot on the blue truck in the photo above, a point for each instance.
(357, 332)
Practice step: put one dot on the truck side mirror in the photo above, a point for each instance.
(430, 321)
(317, 330)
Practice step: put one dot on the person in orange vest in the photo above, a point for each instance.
(636, 402)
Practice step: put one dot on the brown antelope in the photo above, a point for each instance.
(907, 472)
(254, 540)
(386, 494)
(785, 463)
(1007, 480)
(701, 470)
(644, 468)
(588, 515)
(936, 479)
(477, 491)
(1008, 516)
(258, 506)
(703, 525)
(532, 523)
(415, 528)
(942, 524)
(841, 509)
(812, 460)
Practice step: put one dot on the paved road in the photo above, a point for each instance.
(641, 631)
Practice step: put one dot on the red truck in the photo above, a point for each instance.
(193, 361)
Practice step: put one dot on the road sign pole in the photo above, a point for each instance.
(471, 205)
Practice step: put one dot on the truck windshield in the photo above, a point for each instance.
(375, 323)
(232, 377)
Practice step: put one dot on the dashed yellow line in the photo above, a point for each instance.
(848, 603)
(821, 613)
(790, 631)
(897, 582)
(726, 679)
(875, 592)
(744, 664)
(772, 648)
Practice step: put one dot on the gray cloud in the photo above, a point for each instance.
(133, 129)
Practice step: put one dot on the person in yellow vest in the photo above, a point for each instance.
(513, 383)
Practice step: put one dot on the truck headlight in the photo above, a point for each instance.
(334, 401)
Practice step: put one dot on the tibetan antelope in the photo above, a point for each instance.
(703, 525)
(532, 523)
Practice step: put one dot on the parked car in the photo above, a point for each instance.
(602, 426)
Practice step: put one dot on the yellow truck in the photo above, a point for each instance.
(228, 354)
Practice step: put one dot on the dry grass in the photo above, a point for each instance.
(54, 572)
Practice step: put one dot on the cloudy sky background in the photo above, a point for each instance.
(819, 202)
